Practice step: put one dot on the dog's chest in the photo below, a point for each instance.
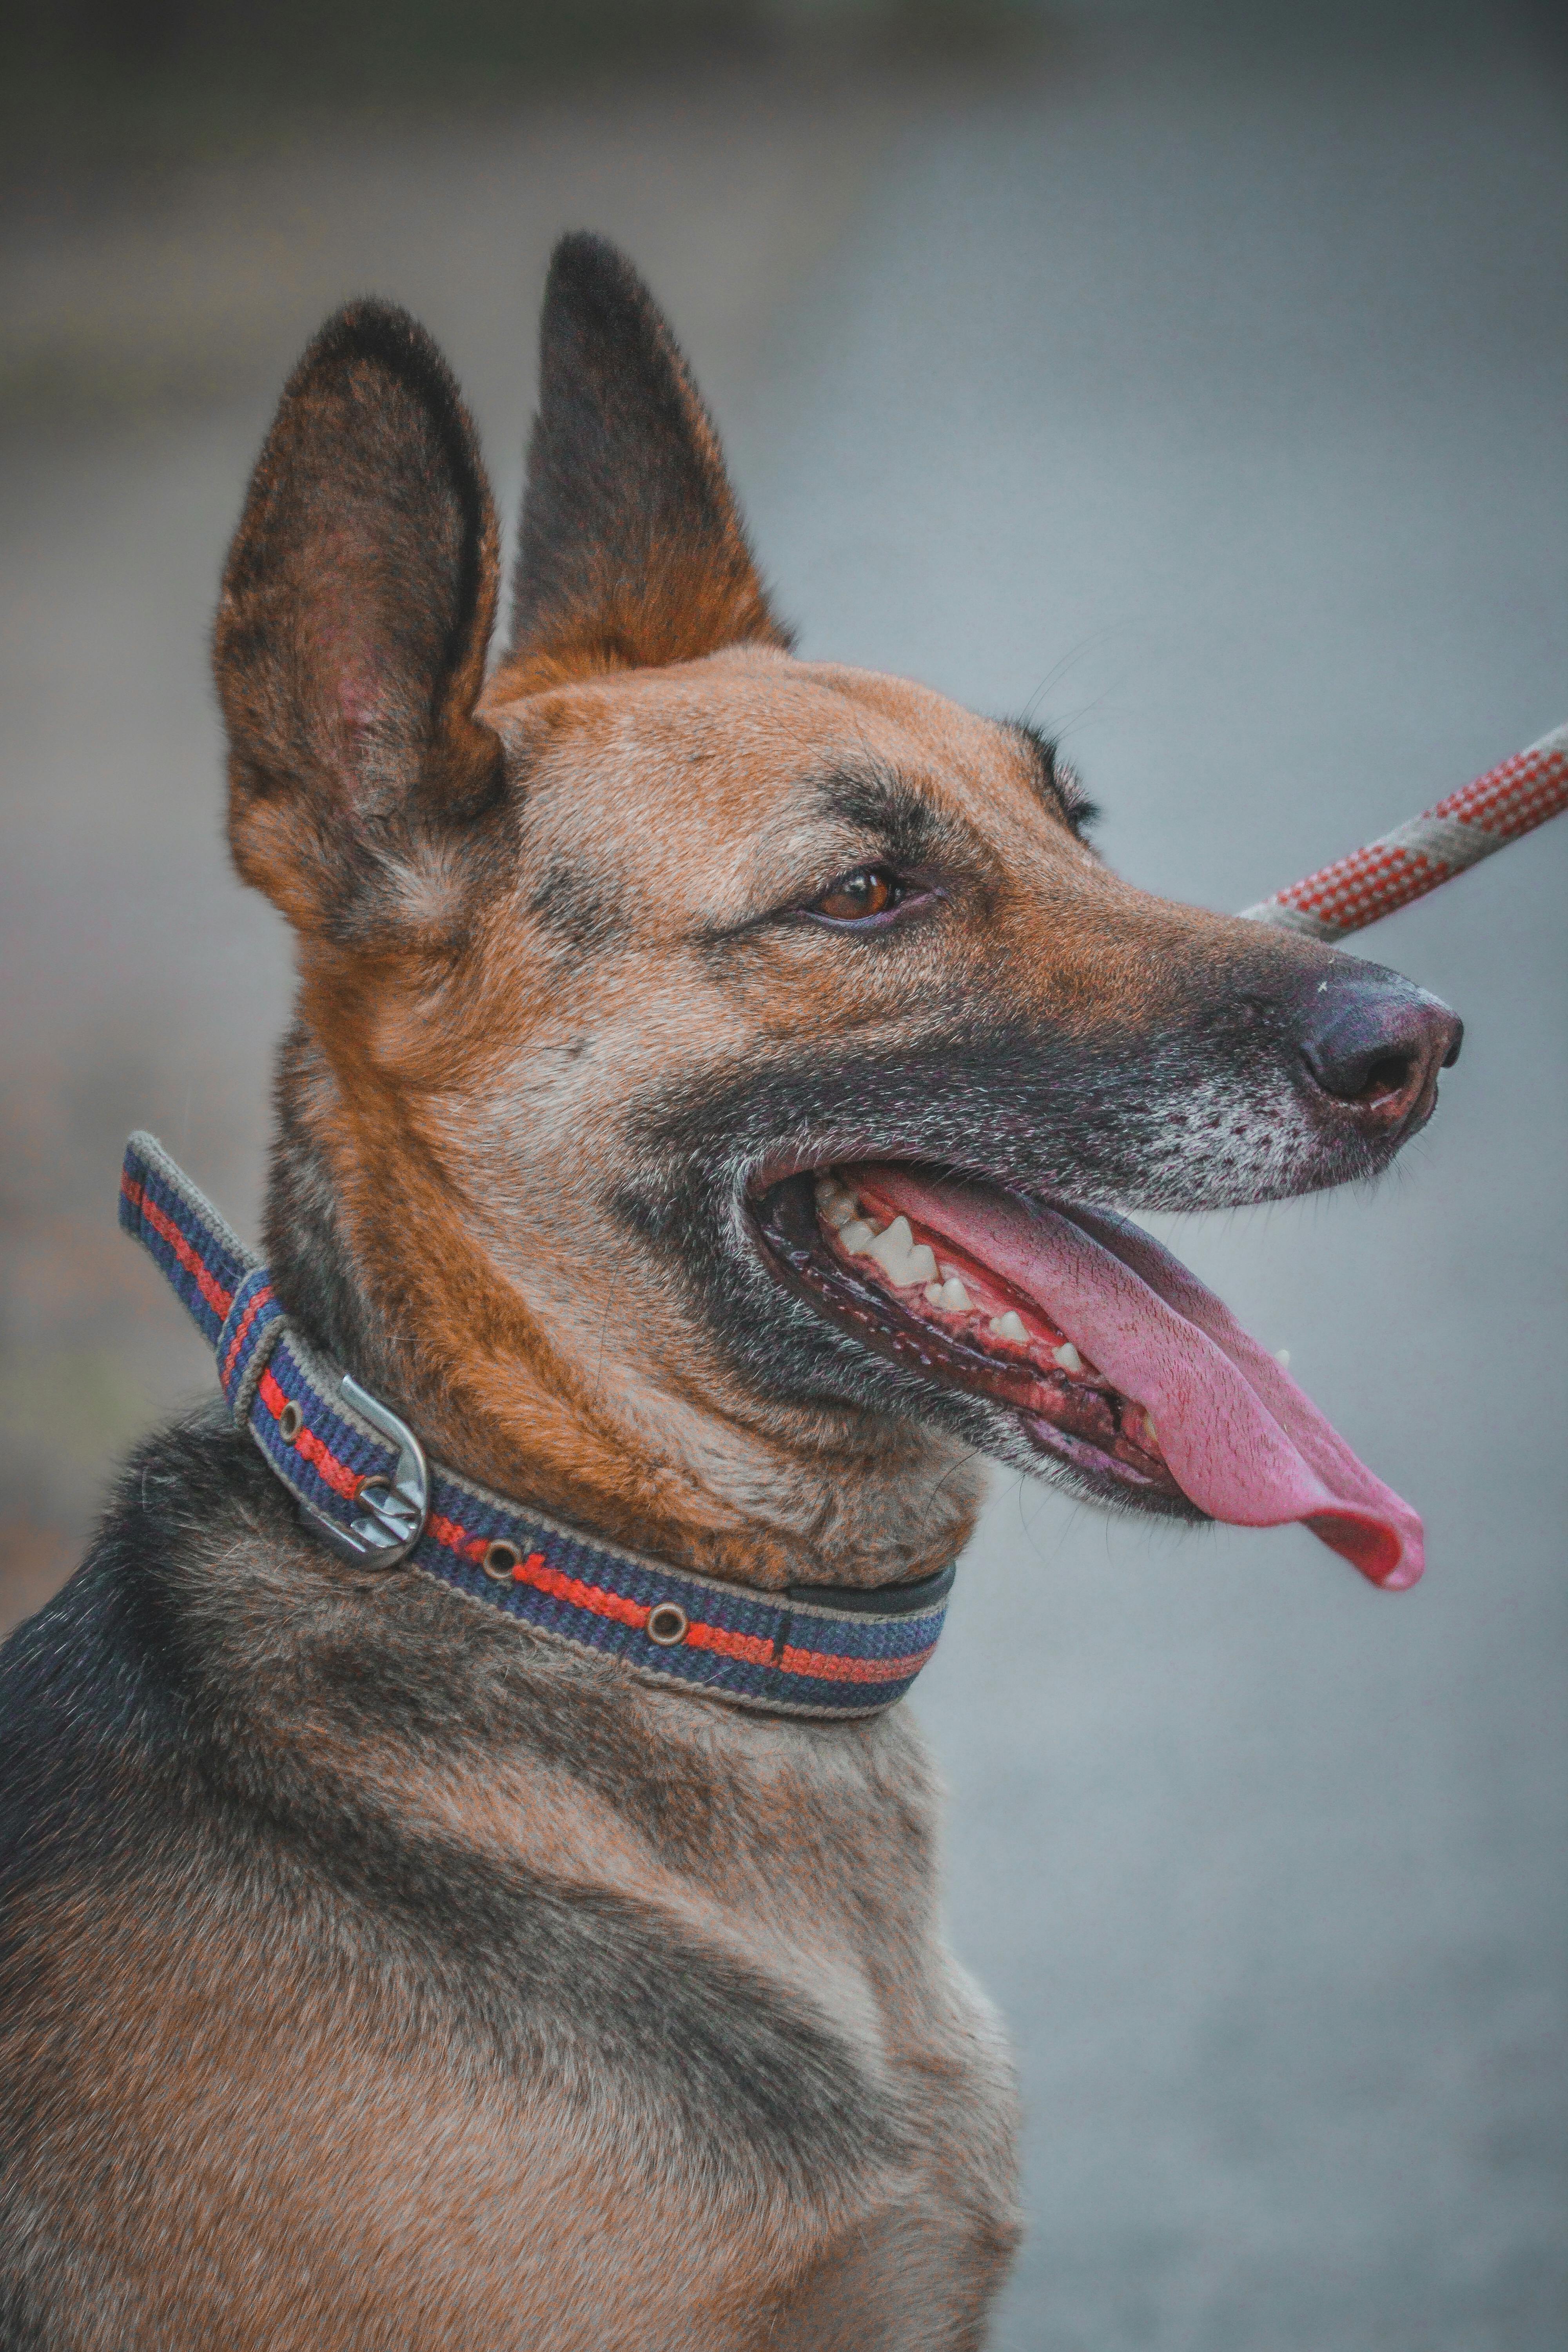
(548, 2012)
(811, 2094)
(692, 2066)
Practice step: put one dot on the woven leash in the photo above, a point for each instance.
(1459, 831)
(364, 1486)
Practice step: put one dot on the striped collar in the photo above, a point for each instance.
(363, 1485)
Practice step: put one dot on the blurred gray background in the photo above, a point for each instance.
(1195, 380)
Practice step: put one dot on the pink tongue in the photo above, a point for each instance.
(1241, 1440)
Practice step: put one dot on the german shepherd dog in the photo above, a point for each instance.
(717, 1083)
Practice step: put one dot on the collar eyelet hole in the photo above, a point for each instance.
(666, 1624)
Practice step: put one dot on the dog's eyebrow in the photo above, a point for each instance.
(880, 802)
(1055, 781)
(907, 830)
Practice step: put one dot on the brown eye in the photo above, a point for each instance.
(856, 896)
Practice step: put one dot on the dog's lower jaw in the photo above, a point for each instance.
(900, 1506)
(717, 1495)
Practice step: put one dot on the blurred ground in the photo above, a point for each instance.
(1204, 395)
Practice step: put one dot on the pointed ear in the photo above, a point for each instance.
(357, 605)
(633, 552)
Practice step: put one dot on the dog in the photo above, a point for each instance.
(465, 1877)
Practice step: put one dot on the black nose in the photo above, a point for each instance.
(1374, 1041)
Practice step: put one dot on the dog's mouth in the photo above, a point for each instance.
(1102, 1348)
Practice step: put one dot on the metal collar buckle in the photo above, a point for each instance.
(393, 1511)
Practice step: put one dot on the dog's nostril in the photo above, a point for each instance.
(1376, 1042)
(1389, 1075)
(1356, 1073)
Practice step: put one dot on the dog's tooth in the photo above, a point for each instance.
(934, 1297)
(858, 1237)
(893, 1249)
(955, 1297)
(1009, 1326)
(922, 1263)
(838, 1210)
(1068, 1357)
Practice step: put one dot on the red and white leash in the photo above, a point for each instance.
(1458, 831)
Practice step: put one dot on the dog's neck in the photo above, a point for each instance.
(703, 1488)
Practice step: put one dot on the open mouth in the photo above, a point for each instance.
(1103, 1349)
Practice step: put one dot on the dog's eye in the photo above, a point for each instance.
(857, 898)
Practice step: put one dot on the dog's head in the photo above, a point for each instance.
(719, 1075)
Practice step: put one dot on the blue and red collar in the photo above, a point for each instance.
(363, 1482)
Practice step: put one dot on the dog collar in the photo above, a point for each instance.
(364, 1485)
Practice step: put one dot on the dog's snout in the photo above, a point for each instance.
(1376, 1043)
